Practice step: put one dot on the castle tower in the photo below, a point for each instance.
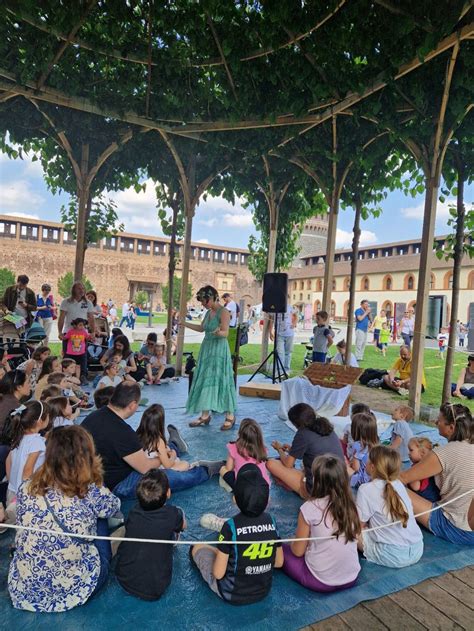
(314, 236)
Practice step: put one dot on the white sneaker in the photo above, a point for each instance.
(212, 522)
(403, 392)
(224, 485)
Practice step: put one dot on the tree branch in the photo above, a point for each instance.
(221, 53)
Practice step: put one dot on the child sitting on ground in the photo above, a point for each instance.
(33, 366)
(50, 364)
(61, 412)
(386, 501)
(116, 332)
(156, 368)
(145, 570)
(122, 367)
(242, 574)
(249, 447)
(110, 377)
(331, 564)
(364, 434)
(102, 396)
(151, 433)
(50, 392)
(419, 448)
(322, 337)
(401, 430)
(28, 445)
(356, 408)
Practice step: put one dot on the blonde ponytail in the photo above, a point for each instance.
(387, 464)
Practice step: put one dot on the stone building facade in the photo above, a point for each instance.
(386, 274)
(120, 266)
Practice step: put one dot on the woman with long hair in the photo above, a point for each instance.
(66, 494)
(213, 387)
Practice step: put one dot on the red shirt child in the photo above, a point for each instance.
(77, 338)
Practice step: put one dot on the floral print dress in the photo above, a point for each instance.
(50, 573)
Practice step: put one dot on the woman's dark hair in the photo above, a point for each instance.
(303, 415)
(207, 292)
(71, 464)
(116, 332)
(11, 381)
(39, 350)
(152, 490)
(331, 481)
(364, 429)
(93, 293)
(22, 421)
(122, 339)
(250, 441)
(152, 427)
(152, 337)
(360, 408)
(460, 416)
(47, 367)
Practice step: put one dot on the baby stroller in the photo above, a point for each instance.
(308, 356)
(98, 349)
(12, 340)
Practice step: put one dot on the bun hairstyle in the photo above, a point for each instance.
(331, 480)
(250, 441)
(208, 292)
(460, 416)
(303, 415)
(25, 418)
(387, 464)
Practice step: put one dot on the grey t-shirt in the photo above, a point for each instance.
(320, 335)
(402, 429)
(75, 309)
(307, 445)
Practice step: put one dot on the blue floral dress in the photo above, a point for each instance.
(213, 385)
(51, 573)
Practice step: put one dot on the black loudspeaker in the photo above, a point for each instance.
(275, 290)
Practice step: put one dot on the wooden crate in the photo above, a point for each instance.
(261, 390)
(335, 377)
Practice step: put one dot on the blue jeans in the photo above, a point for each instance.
(285, 348)
(440, 526)
(105, 554)
(178, 480)
(319, 357)
(124, 319)
(466, 391)
(407, 338)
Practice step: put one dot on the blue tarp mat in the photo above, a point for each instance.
(188, 603)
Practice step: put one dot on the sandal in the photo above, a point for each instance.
(200, 421)
(228, 424)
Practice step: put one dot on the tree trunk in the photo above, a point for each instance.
(422, 294)
(183, 300)
(330, 250)
(171, 271)
(458, 254)
(272, 242)
(83, 198)
(352, 286)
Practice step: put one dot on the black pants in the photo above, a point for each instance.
(81, 360)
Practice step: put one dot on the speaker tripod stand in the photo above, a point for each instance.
(278, 369)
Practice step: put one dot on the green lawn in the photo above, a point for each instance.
(434, 367)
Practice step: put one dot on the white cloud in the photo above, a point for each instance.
(243, 220)
(204, 241)
(138, 211)
(217, 211)
(22, 215)
(344, 238)
(16, 196)
(416, 212)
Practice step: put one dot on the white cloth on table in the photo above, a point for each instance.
(325, 401)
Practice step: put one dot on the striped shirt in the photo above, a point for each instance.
(457, 477)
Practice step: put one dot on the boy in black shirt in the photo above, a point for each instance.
(242, 574)
(145, 569)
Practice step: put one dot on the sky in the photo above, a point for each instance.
(24, 193)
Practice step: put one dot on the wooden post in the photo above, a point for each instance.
(432, 178)
(184, 285)
(458, 254)
(83, 196)
(354, 262)
(332, 228)
(171, 270)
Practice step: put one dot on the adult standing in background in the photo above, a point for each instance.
(213, 386)
(232, 308)
(125, 312)
(132, 316)
(286, 335)
(407, 327)
(363, 319)
(377, 326)
(45, 307)
(20, 299)
(92, 298)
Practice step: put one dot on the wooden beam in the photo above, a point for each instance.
(62, 48)
(221, 53)
(332, 227)
(393, 8)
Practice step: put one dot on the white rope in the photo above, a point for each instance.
(48, 531)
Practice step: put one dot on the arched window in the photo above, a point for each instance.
(432, 281)
(387, 283)
(334, 284)
(347, 283)
(346, 309)
(388, 308)
(365, 283)
(448, 280)
(409, 282)
(316, 306)
(470, 281)
(320, 285)
(308, 284)
(333, 309)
